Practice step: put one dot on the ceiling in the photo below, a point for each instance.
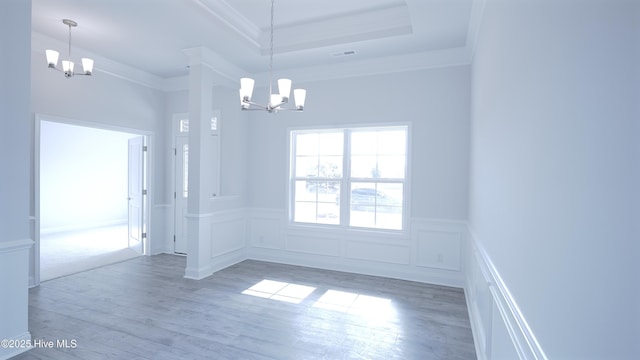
(328, 35)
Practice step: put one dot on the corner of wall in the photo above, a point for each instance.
(499, 327)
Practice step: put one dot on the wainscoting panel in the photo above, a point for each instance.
(227, 232)
(439, 249)
(499, 328)
(439, 243)
(265, 230)
(371, 251)
(312, 244)
(430, 252)
(228, 238)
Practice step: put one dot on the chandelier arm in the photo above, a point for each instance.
(284, 101)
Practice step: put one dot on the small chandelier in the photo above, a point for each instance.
(67, 65)
(275, 100)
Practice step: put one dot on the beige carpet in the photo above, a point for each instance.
(68, 253)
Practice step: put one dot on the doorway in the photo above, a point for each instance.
(180, 132)
(90, 196)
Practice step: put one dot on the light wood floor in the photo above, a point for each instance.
(144, 309)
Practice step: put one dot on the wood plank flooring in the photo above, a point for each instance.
(144, 309)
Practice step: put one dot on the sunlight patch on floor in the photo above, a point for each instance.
(278, 290)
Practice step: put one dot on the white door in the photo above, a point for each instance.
(136, 193)
(181, 194)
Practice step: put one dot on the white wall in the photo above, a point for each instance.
(436, 103)
(15, 236)
(555, 173)
(83, 177)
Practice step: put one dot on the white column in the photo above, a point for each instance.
(15, 149)
(201, 177)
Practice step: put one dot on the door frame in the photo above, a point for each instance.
(175, 134)
(34, 271)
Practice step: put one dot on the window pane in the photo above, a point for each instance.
(331, 143)
(317, 201)
(328, 213)
(330, 166)
(185, 171)
(306, 166)
(184, 125)
(389, 198)
(391, 167)
(305, 212)
(306, 144)
(364, 142)
(376, 205)
(363, 195)
(392, 142)
(306, 191)
(328, 190)
(214, 124)
(364, 167)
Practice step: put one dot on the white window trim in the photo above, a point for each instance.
(344, 216)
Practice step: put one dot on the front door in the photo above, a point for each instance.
(136, 193)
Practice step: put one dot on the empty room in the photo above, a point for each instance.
(305, 179)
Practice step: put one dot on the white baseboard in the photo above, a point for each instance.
(198, 273)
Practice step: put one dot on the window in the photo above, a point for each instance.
(183, 125)
(318, 176)
(351, 176)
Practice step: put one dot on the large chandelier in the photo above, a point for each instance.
(67, 65)
(276, 101)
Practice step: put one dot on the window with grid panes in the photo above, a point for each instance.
(353, 177)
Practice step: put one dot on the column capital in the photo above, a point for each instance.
(225, 72)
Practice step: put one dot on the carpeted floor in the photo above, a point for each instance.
(68, 253)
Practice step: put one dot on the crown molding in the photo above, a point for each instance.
(225, 71)
(368, 25)
(233, 19)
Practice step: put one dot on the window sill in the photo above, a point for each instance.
(339, 230)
